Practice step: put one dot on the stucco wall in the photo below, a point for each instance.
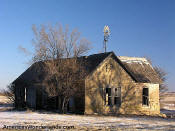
(132, 103)
(111, 74)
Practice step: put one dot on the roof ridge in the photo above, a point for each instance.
(99, 54)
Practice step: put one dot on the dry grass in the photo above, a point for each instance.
(3, 99)
(168, 101)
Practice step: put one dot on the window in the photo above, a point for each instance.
(145, 97)
(109, 67)
(108, 97)
(113, 96)
(117, 98)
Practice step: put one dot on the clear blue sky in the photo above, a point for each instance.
(138, 28)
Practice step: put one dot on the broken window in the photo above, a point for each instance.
(108, 97)
(109, 67)
(117, 98)
(145, 97)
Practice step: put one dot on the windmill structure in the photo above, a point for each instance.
(106, 32)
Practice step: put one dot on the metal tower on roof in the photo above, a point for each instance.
(106, 32)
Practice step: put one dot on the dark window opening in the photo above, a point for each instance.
(145, 97)
(109, 67)
(117, 98)
(108, 96)
(106, 69)
(117, 101)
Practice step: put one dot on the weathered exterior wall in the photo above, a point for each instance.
(154, 106)
(19, 97)
(111, 74)
(79, 98)
(25, 96)
(108, 74)
(132, 103)
(31, 97)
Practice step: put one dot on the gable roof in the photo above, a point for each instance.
(105, 56)
(138, 69)
(36, 73)
(91, 62)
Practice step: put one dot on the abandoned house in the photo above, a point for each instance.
(113, 84)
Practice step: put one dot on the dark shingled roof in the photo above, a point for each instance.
(35, 73)
(139, 70)
(92, 61)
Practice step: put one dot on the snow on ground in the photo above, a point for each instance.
(82, 122)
